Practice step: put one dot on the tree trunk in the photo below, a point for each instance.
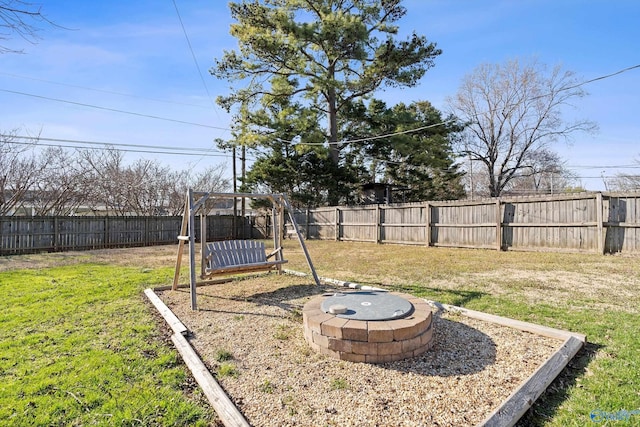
(332, 116)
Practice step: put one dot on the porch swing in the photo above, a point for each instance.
(232, 256)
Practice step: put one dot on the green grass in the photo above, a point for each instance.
(227, 369)
(283, 332)
(267, 387)
(223, 355)
(78, 346)
(339, 384)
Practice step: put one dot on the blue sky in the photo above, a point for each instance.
(133, 56)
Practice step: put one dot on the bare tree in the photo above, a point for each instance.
(150, 186)
(624, 181)
(19, 170)
(21, 18)
(104, 183)
(543, 172)
(512, 111)
(143, 188)
(210, 179)
(58, 189)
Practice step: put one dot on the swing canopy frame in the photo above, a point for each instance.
(232, 256)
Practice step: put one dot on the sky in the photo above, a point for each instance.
(136, 72)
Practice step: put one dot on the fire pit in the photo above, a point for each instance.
(368, 326)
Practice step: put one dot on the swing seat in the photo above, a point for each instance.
(235, 256)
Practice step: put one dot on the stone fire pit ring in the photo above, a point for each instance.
(368, 326)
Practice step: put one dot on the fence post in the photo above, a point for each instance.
(106, 232)
(146, 231)
(427, 228)
(56, 234)
(498, 225)
(600, 237)
(337, 221)
(378, 224)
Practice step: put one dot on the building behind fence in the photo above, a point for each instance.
(584, 222)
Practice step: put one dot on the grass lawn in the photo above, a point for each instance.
(80, 345)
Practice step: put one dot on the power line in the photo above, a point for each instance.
(109, 92)
(75, 141)
(624, 70)
(197, 65)
(193, 55)
(117, 149)
(605, 166)
(94, 145)
(149, 116)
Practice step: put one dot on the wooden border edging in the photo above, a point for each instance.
(229, 414)
(172, 320)
(518, 402)
(512, 323)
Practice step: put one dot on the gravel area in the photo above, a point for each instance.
(277, 380)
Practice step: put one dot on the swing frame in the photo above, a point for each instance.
(195, 204)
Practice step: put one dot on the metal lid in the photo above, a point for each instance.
(368, 305)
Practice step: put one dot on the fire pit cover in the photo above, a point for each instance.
(367, 305)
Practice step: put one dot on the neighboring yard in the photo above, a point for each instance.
(80, 345)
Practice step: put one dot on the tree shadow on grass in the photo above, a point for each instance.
(549, 402)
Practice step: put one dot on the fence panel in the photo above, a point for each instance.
(464, 224)
(404, 224)
(358, 224)
(622, 222)
(20, 235)
(561, 222)
(583, 222)
(322, 223)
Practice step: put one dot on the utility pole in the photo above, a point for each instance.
(244, 171)
(235, 190)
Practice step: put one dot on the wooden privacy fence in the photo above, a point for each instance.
(20, 235)
(583, 222)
